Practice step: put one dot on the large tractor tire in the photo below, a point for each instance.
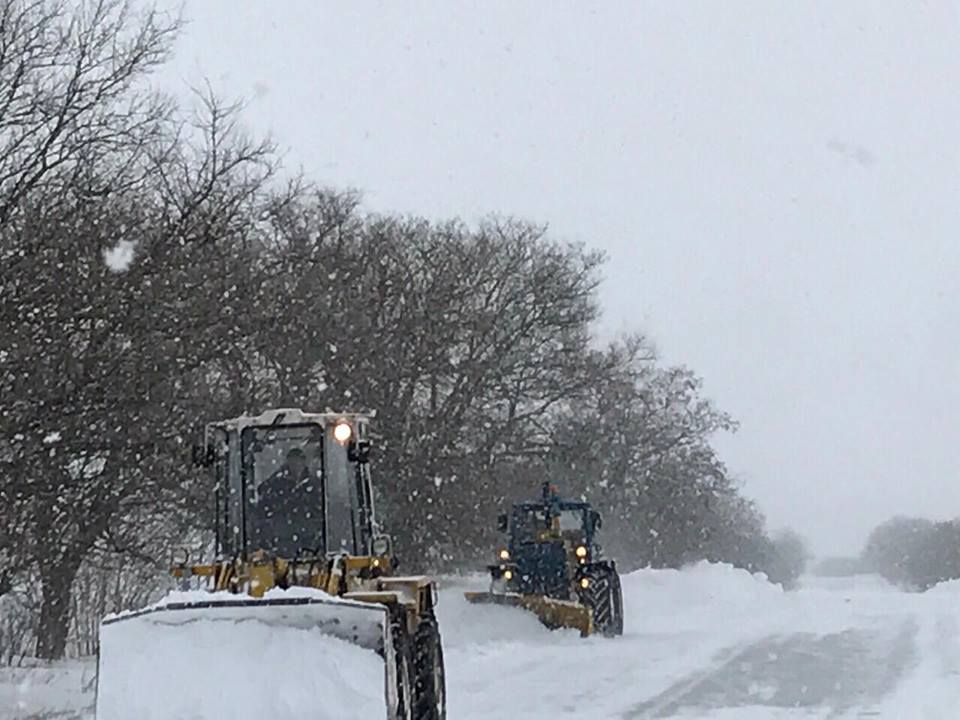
(604, 596)
(616, 627)
(430, 691)
(403, 664)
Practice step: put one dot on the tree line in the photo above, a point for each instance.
(159, 270)
(914, 553)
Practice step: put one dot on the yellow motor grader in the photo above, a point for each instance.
(301, 567)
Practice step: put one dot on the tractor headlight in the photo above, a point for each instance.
(581, 551)
(342, 432)
(504, 554)
(584, 583)
(508, 574)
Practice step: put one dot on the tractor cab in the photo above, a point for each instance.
(550, 520)
(546, 541)
(292, 484)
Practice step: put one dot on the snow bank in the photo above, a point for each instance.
(694, 595)
(242, 664)
(702, 582)
(948, 588)
(860, 583)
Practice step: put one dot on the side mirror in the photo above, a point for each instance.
(381, 546)
(502, 522)
(202, 455)
(359, 452)
(597, 522)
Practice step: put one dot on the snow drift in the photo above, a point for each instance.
(947, 588)
(695, 596)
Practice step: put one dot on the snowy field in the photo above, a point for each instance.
(706, 642)
(63, 691)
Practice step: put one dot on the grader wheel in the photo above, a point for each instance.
(430, 683)
(604, 597)
(402, 648)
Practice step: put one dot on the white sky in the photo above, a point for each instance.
(776, 185)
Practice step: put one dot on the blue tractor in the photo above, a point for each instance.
(553, 566)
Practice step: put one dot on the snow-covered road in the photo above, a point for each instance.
(712, 642)
(706, 642)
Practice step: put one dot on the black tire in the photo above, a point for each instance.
(402, 654)
(430, 688)
(616, 625)
(605, 597)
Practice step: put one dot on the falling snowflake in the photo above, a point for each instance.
(119, 257)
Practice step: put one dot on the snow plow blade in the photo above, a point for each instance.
(553, 613)
(299, 657)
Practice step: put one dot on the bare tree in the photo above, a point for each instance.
(99, 362)
(463, 339)
(69, 74)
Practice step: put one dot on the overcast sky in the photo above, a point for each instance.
(776, 185)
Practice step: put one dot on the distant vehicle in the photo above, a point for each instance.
(553, 566)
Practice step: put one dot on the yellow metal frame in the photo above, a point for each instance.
(553, 613)
(354, 577)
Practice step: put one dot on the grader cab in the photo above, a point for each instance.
(552, 565)
(298, 554)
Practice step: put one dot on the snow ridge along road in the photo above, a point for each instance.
(705, 642)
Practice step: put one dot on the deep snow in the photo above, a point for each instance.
(198, 675)
(706, 642)
(715, 642)
(255, 661)
(40, 690)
